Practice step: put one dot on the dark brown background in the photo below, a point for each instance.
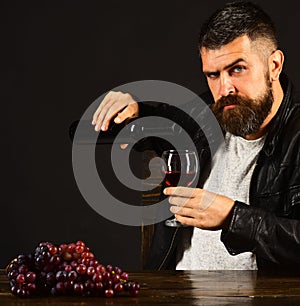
(57, 58)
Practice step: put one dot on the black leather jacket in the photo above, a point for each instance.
(270, 225)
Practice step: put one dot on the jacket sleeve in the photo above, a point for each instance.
(273, 239)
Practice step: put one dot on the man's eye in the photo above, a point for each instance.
(211, 75)
(238, 69)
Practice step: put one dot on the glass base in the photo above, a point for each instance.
(174, 223)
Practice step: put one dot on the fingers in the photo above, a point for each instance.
(182, 211)
(107, 113)
(129, 112)
(105, 101)
(108, 108)
(123, 146)
(181, 196)
(196, 198)
(179, 191)
(187, 220)
(180, 201)
(111, 106)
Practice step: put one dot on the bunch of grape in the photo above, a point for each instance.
(66, 269)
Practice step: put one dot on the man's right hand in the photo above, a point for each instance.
(111, 106)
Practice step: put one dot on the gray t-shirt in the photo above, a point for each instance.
(231, 174)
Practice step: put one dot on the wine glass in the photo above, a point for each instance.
(180, 168)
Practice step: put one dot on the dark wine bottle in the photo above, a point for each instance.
(130, 132)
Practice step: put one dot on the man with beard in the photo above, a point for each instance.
(249, 205)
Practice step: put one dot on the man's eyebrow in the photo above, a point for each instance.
(226, 67)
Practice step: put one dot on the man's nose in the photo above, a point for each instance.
(226, 87)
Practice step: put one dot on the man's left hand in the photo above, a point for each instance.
(200, 208)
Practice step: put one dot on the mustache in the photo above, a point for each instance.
(230, 100)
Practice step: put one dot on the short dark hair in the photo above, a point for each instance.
(236, 19)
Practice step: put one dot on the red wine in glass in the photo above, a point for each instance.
(180, 169)
(172, 178)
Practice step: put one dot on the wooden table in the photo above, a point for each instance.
(185, 288)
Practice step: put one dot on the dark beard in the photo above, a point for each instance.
(248, 115)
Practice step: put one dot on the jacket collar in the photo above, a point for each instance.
(278, 121)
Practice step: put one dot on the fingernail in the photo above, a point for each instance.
(103, 128)
(117, 120)
(96, 128)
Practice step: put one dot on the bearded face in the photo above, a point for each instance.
(246, 115)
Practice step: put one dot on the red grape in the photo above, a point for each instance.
(78, 288)
(100, 269)
(60, 287)
(97, 277)
(23, 269)
(90, 271)
(72, 275)
(81, 269)
(71, 247)
(68, 268)
(80, 243)
(31, 287)
(74, 264)
(94, 263)
(109, 293)
(79, 249)
(116, 278)
(89, 285)
(118, 287)
(99, 286)
(20, 278)
(106, 276)
(124, 276)
(52, 249)
(134, 292)
(30, 277)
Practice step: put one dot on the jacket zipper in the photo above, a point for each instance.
(169, 250)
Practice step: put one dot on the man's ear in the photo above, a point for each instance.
(276, 60)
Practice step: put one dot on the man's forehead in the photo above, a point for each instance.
(239, 48)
